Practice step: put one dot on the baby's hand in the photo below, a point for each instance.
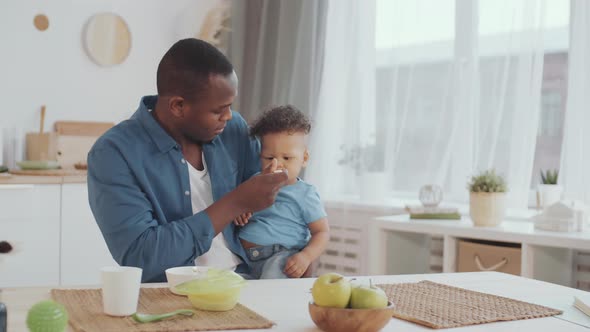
(297, 265)
(243, 219)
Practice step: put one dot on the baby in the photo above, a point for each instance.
(284, 239)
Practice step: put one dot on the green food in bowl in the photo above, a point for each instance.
(47, 316)
(219, 301)
(218, 291)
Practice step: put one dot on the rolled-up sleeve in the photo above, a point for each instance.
(125, 217)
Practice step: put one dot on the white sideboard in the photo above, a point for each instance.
(544, 255)
(30, 223)
(83, 249)
(54, 236)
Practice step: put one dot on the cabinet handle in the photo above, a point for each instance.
(5, 247)
(491, 268)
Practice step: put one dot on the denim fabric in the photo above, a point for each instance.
(268, 262)
(139, 191)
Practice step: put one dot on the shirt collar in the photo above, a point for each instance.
(163, 141)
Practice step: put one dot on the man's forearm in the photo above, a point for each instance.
(159, 247)
(224, 211)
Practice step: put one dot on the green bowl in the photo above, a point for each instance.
(38, 164)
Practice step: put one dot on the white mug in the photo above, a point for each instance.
(120, 290)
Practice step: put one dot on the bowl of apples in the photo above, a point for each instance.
(339, 305)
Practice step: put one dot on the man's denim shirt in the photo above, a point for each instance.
(139, 191)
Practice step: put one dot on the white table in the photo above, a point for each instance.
(533, 241)
(285, 301)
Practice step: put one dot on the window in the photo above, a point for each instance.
(551, 120)
(415, 45)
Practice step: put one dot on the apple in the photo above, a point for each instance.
(331, 290)
(367, 297)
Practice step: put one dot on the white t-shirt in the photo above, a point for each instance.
(219, 255)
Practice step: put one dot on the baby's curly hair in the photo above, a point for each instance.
(286, 118)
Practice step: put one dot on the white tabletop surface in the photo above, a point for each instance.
(285, 301)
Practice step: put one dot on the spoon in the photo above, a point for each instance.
(148, 318)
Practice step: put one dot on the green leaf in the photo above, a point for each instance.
(549, 176)
(487, 181)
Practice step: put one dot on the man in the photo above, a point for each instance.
(165, 185)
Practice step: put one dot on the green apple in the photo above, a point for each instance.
(331, 290)
(47, 316)
(367, 297)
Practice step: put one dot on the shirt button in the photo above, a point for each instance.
(187, 193)
(183, 161)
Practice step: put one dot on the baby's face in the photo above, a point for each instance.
(290, 151)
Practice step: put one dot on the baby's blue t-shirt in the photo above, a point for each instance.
(286, 221)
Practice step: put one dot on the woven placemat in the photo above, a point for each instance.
(48, 172)
(85, 311)
(440, 306)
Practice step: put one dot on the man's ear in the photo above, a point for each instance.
(305, 157)
(177, 106)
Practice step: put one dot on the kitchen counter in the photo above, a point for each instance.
(41, 179)
(285, 301)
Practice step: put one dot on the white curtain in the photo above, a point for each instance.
(277, 49)
(575, 151)
(452, 89)
(509, 80)
(346, 113)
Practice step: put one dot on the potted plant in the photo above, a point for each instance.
(487, 199)
(548, 192)
(368, 165)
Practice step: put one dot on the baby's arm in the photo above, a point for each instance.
(297, 264)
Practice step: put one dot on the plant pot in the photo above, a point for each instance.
(548, 194)
(373, 186)
(487, 209)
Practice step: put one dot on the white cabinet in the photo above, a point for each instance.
(30, 223)
(396, 241)
(83, 249)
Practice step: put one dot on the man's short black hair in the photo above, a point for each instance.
(281, 119)
(184, 70)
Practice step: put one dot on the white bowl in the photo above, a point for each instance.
(178, 275)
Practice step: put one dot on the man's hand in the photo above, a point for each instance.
(254, 194)
(297, 265)
(260, 191)
(243, 219)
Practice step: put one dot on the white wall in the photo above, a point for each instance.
(51, 67)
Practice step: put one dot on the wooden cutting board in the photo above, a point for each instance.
(75, 139)
(76, 128)
(49, 172)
